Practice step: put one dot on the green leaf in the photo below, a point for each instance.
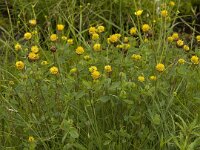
(73, 133)
(104, 99)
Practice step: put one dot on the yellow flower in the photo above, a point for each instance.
(95, 36)
(32, 22)
(31, 139)
(153, 78)
(33, 56)
(186, 47)
(27, 36)
(119, 46)
(73, 70)
(126, 40)
(53, 70)
(19, 65)
(170, 39)
(172, 3)
(160, 67)
(118, 35)
(70, 41)
(60, 27)
(44, 62)
(92, 30)
(79, 50)
(18, 47)
(64, 38)
(95, 75)
(136, 57)
(124, 46)
(97, 47)
(180, 43)
(34, 49)
(164, 13)
(92, 69)
(108, 68)
(34, 32)
(86, 57)
(141, 78)
(175, 36)
(100, 29)
(145, 28)
(146, 40)
(108, 40)
(181, 61)
(133, 31)
(139, 12)
(113, 38)
(53, 37)
(195, 60)
(198, 38)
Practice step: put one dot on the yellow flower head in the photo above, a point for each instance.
(180, 43)
(164, 13)
(124, 46)
(64, 38)
(100, 29)
(136, 57)
(95, 75)
(146, 40)
(108, 68)
(18, 47)
(95, 36)
(53, 37)
(198, 38)
(181, 61)
(186, 47)
(139, 12)
(153, 78)
(160, 67)
(33, 56)
(170, 39)
(92, 30)
(34, 32)
(172, 3)
(32, 22)
(195, 60)
(27, 36)
(70, 41)
(79, 50)
(86, 57)
(175, 36)
(60, 27)
(31, 139)
(19, 65)
(113, 38)
(73, 70)
(126, 40)
(133, 31)
(118, 35)
(141, 78)
(44, 63)
(97, 47)
(34, 49)
(145, 28)
(92, 69)
(53, 70)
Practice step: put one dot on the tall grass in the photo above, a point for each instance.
(71, 109)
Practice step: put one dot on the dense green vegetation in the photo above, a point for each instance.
(116, 75)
